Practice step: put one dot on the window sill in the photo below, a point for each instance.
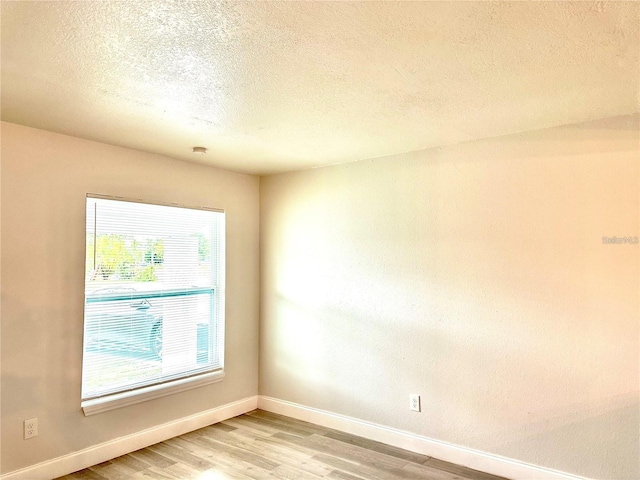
(124, 399)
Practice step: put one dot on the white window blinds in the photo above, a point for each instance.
(154, 295)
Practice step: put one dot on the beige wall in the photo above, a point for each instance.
(475, 276)
(45, 178)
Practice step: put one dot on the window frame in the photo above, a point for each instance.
(110, 401)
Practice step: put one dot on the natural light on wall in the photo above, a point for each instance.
(154, 298)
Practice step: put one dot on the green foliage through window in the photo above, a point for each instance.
(121, 257)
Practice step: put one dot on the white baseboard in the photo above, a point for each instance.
(467, 457)
(87, 457)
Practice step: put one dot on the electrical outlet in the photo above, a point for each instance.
(414, 402)
(30, 428)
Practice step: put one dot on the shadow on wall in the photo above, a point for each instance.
(484, 415)
(42, 367)
(609, 420)
(621, 122)
(476, 276)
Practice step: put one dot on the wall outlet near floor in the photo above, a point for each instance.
(30, 428)
(414, 402)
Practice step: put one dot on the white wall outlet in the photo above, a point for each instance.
(414, 402)
(30, 428)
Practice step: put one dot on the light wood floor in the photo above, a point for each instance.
(265, 445)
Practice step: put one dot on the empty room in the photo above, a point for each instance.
(320, 240)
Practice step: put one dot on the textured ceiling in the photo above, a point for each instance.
(269, 87)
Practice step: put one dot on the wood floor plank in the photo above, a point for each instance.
(259, 429)
(289, 472)
(267, 446)
(182, 471)
(200, 449)
(352, 462)
(133, 462)
(303, 461)
(281, 422)
(221, 426)
(294, 448)
(225, 463)
(377, 447)
(83, 475)
(417, 472)
(154, 473)
(360, 454)
(238, 451)
(408, 471)
(340, 475)
(240, 437)
(354, 468)
(152, 458)
(115, 470)
(460, 470)
(180, 455)
(278, 453)
(276, 417)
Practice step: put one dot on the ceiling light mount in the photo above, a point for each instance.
(199, 150)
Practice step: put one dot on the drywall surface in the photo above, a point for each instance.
(45, 177)
(476, 276)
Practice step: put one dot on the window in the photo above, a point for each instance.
(154, 301)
